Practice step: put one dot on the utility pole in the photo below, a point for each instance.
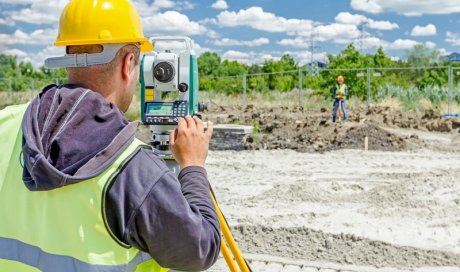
(362, 36)
(312, 47)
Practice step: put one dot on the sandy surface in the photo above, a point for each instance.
(306, 191)
(385, 209)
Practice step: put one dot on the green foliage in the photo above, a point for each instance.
(208, 64)
(231, 68)
(352, 61)
(420, 55)
(282, 76)
(258, 83)
(22, 76)
(255, 127)
(410, 97)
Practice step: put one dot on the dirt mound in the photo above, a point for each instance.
(309, 244)
(378, 139)
(313, 131)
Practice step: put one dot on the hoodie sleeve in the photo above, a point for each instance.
(173, 219)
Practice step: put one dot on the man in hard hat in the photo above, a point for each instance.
(78, 192)
(339, 91)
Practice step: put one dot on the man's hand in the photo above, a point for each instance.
(189, 142)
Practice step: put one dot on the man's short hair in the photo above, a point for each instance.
(97, 48)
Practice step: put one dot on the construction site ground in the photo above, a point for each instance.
(306, 196)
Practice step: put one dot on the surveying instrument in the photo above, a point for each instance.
(172, 74)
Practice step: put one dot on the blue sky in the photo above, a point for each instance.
(254, 30)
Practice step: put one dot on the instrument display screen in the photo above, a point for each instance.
(159, 108)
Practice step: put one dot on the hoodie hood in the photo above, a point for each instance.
(71, 134)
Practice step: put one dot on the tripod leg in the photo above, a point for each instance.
(230, 240)
(227, 256)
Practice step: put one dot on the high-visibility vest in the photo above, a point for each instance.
(340, 91)
(63, 229)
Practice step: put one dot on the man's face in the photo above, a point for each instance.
(340, 80)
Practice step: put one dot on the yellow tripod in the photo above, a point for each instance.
(229, 242)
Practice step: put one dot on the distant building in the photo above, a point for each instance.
(454, 57)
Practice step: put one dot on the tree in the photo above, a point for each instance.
(281, 82)
(420, 55)
(208, 63)
(351, 60)
(381, 60)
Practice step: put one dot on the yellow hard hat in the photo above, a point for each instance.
(340, 78)
(101, 22)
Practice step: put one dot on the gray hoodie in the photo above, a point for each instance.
(72, 134)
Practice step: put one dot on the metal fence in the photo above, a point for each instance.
(26, 84)
(437, 83)
(369, 84)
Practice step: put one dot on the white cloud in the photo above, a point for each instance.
(251, 57)
(407, 7)
(257, 18)
(15, 52)
(239, 56)
(428, 30)
(200, 50)
(232, 54)
(382, 25)
(366, 5)
(232, 42)
(171, 23)
(305, 57)
(144, 8)
(220, 4)
(267, 56)
(372, 42)
(48, 12)
(37, 59)
(350, 19)
(39, 36)
(7, 21)
(39, 12)
(339, 33)
(430, 45)
(401, 44)
(357, 19)
(298, 42)
(453, 38)
(163, 3)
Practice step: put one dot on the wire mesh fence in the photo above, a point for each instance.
(439, 85)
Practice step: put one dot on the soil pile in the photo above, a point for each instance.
(308, 131)
(378, 139)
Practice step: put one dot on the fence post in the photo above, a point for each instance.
(244, 90)
(33, 87)
(450, 79)
(368, 86)
(9, 87)
(300, 87)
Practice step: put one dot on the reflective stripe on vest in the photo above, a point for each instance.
(61, 229)
(15, 250)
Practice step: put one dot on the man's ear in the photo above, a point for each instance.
(128, 64)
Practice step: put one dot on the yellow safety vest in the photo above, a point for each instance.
(340, 91)
(62, 229)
